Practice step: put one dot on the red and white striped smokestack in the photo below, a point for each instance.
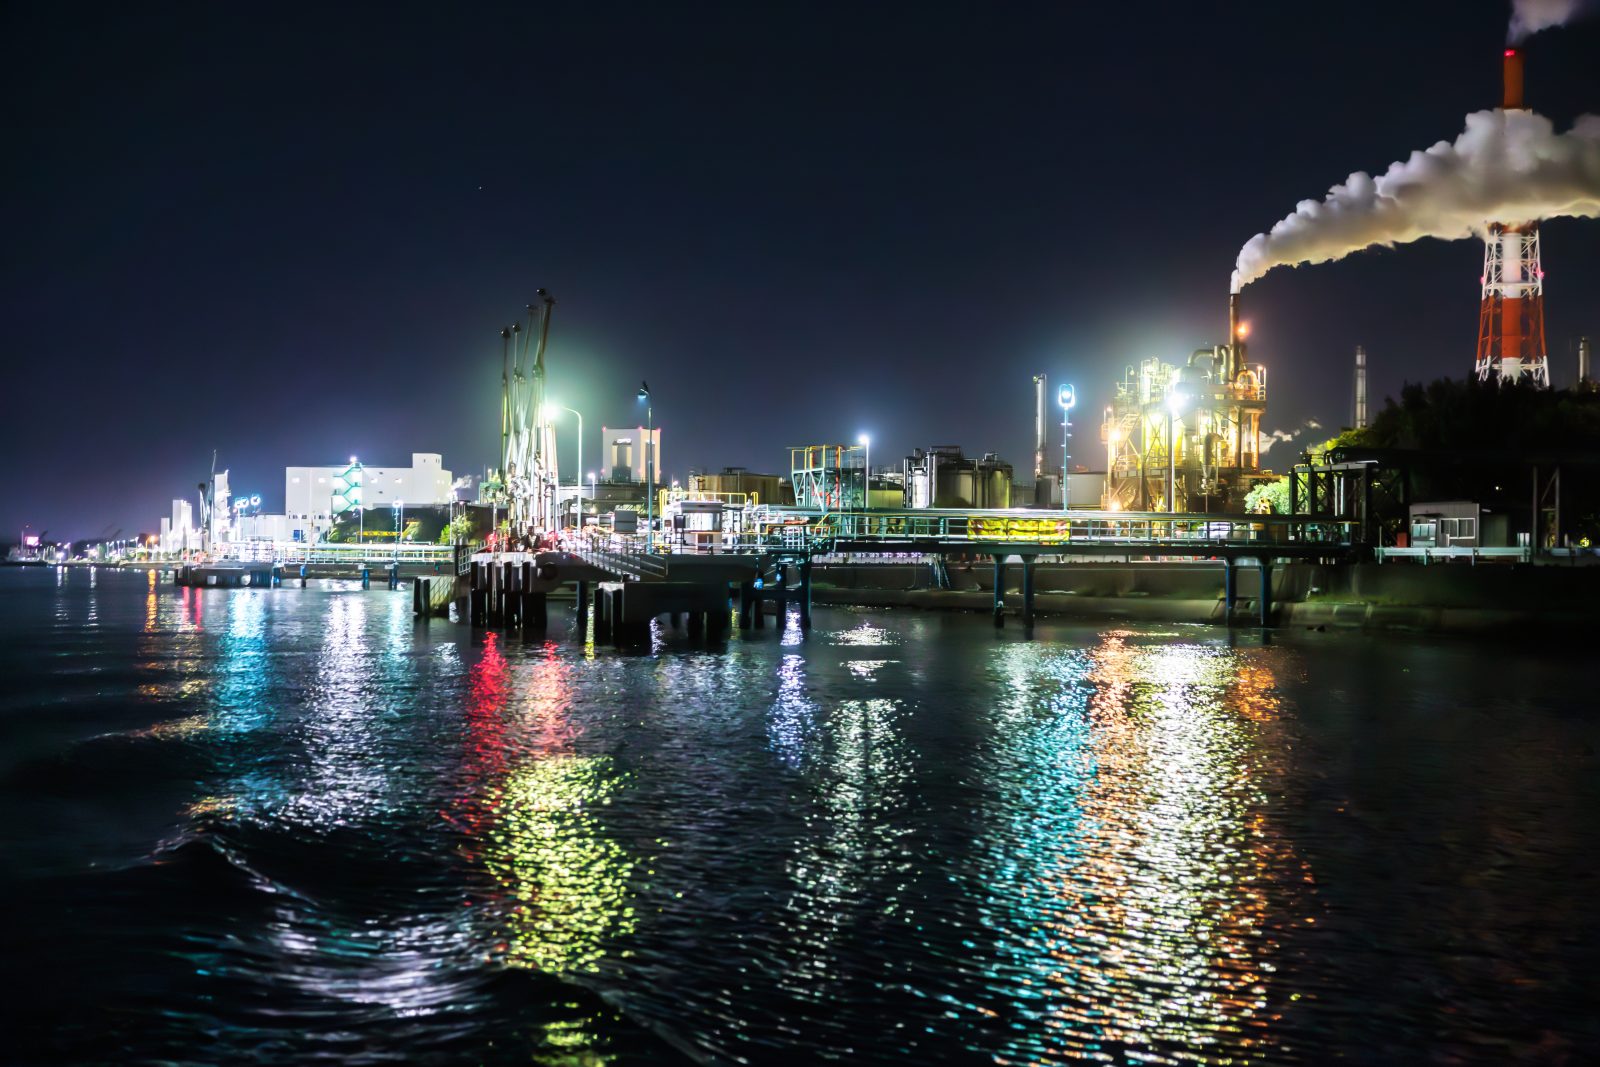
(1510, 238)
(1512, 100)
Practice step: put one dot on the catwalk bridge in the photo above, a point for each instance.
(768, 557)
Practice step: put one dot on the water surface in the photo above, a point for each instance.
(285, 826)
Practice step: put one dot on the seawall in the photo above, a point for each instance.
(1446, 598)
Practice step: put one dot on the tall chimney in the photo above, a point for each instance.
(1512, 101)
(1584, 378)
(1041, 426)
(1361, 388)
(1236, 332)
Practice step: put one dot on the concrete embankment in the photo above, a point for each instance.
(1454, 598)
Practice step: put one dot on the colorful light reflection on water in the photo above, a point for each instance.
(322, 830)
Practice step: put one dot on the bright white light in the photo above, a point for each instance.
(1175, 402)
(352, 461)
(864, 439)
(1067, 397)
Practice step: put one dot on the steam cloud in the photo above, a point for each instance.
(1506, 166)
(1530, 16)
(1273, 437)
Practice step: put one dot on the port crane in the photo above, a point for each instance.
(528, 475)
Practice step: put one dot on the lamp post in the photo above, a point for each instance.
(1067, 397)
(552, 408)
(865, 440)
(399, 526)
(1174, 405)
(649, 463)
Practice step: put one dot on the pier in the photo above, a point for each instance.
(628, 580)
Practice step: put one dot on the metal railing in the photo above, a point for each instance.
(1067, 528)
(297, 552)
(628, 557)
(1471, 555)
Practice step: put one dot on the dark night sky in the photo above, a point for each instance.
(291, 234)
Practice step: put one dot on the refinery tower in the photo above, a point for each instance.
(1511, 315)
(1187, 438)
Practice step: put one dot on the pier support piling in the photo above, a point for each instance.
(1230, 581)
(1027, 593)
(1266, 592)
(999, 591)
(805, 594)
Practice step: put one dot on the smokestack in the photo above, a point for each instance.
(1512, 100)
(1041, 426)
(1584, 380)
(1361, 388)
(1236, 334)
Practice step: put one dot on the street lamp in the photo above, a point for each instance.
(649, 463)
(550, 410)
(865, 440)
(1175, 404)
(1067, 397)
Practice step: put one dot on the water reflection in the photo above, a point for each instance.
(1135, 906)
(853, 854)
(531, 812)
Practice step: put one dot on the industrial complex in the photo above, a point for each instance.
(1178, 456)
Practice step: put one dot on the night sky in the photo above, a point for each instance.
(292, 234)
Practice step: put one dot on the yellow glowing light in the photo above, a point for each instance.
(568, 882)
(1244, 330)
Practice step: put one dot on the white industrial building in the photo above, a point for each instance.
(178, 531)
(623, 454)
(315, 496)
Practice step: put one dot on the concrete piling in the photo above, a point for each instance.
(805, 594)
(1266, 591)
(999, 591)
(1027, 593)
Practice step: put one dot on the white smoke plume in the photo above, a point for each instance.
(1506, 166)
(1530, 16)
(1274, 437)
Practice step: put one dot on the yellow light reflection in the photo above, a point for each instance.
(533, 818)
(567, 881)
(1143, 872)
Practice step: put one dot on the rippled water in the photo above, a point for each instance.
(292, 825)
